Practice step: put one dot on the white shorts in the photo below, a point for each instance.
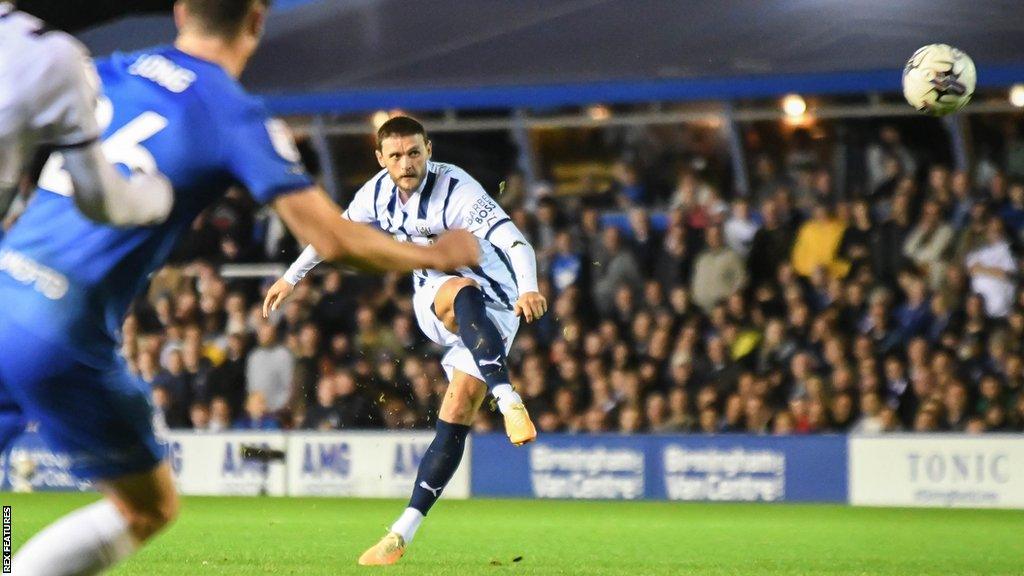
(458, 357)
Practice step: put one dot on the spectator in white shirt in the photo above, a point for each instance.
(717, 272)
(740, 227)
(871, 420)
(992, 269)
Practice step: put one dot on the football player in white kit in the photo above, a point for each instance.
(49, 96)
(473, 312)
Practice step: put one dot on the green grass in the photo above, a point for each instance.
(309, 536)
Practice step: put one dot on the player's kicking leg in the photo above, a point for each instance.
(460, 305)
(461, 401)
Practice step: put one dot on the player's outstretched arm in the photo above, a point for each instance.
(278, 293)
(313, 218)
(284, 286)
(11, 159)
(67, 120)
(103, 195)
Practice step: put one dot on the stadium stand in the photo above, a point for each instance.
(793, 309)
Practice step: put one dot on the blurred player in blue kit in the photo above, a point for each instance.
(178, 116)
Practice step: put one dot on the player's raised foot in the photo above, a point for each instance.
(384, 553)
(518, 426)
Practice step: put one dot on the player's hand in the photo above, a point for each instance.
(531, 306)
(159, 198)
(455, 249)
(277, 294)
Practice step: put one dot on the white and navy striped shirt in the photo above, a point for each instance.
(448, 199)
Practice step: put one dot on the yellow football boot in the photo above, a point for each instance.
(384, 553)
(518, 426)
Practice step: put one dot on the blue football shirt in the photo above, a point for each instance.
(70, 280)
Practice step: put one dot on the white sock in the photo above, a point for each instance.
(408, 523)
(506, 396)
(86, 541)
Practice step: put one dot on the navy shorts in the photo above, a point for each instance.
(102, 418)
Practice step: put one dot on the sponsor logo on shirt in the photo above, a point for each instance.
(24, 270)
(483, 211)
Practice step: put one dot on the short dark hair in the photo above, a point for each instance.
(222, 18)
(401, 126)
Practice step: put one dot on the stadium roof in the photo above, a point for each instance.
(334, 56)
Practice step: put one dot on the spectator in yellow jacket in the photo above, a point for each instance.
(817, 244)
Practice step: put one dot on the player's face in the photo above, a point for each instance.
(405, 158)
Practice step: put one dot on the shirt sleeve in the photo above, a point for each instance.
(971, 259)
(474, 210)
(67, 111)
(306, 261)
(263, 157)
(509, 239)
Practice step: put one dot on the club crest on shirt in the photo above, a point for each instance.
(421, 227)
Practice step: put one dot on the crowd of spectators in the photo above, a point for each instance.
(789, 310)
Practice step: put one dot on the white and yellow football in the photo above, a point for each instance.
(939, 79)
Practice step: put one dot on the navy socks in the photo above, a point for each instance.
(438, 464)
(481, 336)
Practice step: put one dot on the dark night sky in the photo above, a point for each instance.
(76, 15)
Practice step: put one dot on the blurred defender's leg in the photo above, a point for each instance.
(94, 538)
(101, 417)
(148, 501)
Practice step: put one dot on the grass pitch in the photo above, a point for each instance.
(245, 536)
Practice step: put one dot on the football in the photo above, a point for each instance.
(939, 79)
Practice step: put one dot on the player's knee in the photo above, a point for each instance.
(458, 408)
(445, 299)
(450, 324)
(146, 521)
(462, 401)
(459, 414)
(444, 302)
(458, 411)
